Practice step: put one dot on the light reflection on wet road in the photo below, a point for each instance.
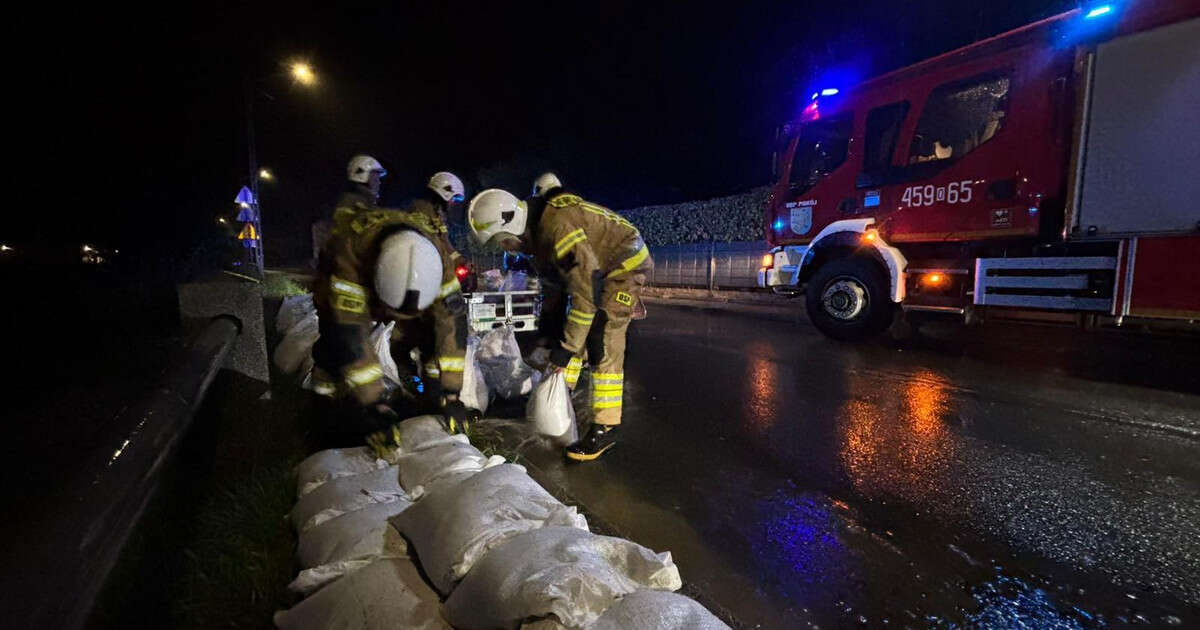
(996, 483)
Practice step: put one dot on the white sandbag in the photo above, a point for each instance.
(421, 432)
(385, 594)
(504, 371)
(296, 346)
(381, 341)
(424, 466)
(562, 571)
(346, 494)
(657, 610)
(450, 531)
(491, 280)
(333, 463)
(550, 410)
(358, 535)
(293, 309)
(474, 394)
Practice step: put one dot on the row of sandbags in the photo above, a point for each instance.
(494, 549)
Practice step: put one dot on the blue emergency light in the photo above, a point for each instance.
(1098, 11)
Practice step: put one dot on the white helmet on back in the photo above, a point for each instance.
(408, 273)
(360, 168)
(545, 181)
(448, 186)
(496, 213)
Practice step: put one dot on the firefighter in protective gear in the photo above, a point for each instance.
(442, 193)
(365, 174)
(387, 265)
(602, 262)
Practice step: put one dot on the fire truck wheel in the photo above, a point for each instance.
(848, 299)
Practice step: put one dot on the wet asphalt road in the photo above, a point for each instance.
(1005, 477)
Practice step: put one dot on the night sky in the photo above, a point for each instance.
(133, 121)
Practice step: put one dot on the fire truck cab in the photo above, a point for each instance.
(1052, 168)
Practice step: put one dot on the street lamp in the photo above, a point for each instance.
(303, 74)
(265, 175)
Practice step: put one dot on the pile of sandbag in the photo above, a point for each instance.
(500, 549)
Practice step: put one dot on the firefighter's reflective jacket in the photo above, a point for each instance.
(346, 303)
(590, 246)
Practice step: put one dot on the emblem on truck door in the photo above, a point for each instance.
(801, 219)
(1002, 217)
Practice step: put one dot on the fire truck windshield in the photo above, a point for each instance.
(820, 149)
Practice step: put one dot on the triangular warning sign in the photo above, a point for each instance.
(248, 233)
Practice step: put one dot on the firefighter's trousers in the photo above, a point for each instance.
(606, 345)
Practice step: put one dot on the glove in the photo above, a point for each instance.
(458, 416)
(385, 442)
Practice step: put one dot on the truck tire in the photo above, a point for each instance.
(848, 299)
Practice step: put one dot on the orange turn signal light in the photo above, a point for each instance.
(768, 260)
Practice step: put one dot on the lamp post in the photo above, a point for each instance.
(303, 74)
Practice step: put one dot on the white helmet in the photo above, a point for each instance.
(496, 212)
(408, 274)
(448, 186)
(545, 181)
(360, 167)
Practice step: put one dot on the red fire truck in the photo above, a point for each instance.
(1051, 169)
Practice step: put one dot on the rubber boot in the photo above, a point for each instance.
(599, 439)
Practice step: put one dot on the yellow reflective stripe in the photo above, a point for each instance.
(348, 296)
(450, 287)
(452, 364)
(324, 388)
(609, 378)
(581, 318)
(606, 213)
(566, 243)
(346, 287)
(575, 363)
(431, 369)
(631, 263)
(606, 405)
(608, 388)
(349, 304)
(562, 242)
(562, 201)
(365, 375)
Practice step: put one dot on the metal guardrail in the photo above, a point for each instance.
(80, 540)
(708, 265)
